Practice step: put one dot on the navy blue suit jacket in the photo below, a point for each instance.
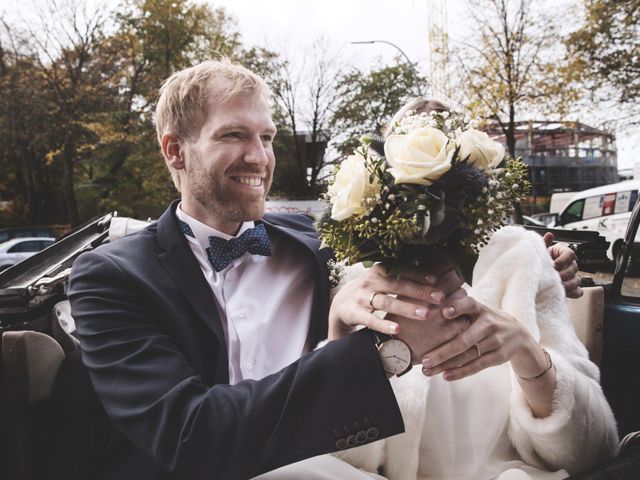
(156, 353)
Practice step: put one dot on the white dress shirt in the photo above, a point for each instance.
(264, 303)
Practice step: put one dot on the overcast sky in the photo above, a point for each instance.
(281, 24)
(402, 22)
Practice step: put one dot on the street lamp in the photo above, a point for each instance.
(411, 65)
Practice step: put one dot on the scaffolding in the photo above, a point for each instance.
(563, 156)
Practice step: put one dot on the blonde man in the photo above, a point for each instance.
(198, 331)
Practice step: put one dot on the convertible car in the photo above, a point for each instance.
(52, 425)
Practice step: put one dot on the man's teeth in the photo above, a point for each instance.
(251, 181)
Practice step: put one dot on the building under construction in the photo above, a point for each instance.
(563, 156)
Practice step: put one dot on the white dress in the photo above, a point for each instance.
(481, 428)
(466, 431)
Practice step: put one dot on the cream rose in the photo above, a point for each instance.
(419, 157)
(481, 151)
(349, 188)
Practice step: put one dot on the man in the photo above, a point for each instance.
(194, 353)
(201, 352)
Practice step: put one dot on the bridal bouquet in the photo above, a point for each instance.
(436, 186)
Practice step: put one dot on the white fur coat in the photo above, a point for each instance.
(515, 274)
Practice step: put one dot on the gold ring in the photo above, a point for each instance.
(373, 295)
(477, 345)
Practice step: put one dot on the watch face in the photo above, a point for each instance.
(395, 355)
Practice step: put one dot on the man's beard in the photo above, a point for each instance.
(208, 189)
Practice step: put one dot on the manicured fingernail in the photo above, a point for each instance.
(437, 296)
(427, 363)
(431, 278)
(427, 372)
(393, 328)
(448, 311)
(421, 312)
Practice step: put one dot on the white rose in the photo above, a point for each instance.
(419, 157)
(480, 150)
(350, 187)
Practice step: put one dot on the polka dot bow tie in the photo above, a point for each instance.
(222, 252)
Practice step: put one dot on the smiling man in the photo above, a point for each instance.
(199, 331)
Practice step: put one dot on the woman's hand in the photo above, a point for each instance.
(410, 296)
(425, 335)
(494, 337)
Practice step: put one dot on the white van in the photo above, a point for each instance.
(604, 209)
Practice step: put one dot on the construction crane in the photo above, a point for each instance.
(438, 49)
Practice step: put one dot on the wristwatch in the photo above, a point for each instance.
(395, 354)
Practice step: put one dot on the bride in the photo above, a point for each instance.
(512, 397)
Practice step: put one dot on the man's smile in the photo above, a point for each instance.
(250, 181)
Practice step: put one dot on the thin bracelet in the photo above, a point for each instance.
(549, 367)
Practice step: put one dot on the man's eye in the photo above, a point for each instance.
(267, 138)
(233, 135)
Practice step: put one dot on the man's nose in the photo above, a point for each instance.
(256, 152)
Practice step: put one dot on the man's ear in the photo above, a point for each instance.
(173, 151)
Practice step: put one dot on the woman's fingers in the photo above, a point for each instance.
(413, 296)
(490, 359)
(477, 350)
(421, 293)
(465, 307)
(459, 304)
(378, 324)
(399, 306)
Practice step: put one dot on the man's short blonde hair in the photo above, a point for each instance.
(187, 96)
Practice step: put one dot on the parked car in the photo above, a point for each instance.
(16, 250)
(605, 209)
(547, 218)
(52, 425)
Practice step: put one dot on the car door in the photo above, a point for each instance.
(620, 368)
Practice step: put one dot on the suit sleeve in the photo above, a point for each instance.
(196, 431)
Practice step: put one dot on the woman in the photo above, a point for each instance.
(513, 396)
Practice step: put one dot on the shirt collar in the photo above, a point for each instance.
(203, 231)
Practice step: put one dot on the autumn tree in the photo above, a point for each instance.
(511, 63)
(28, 182)
(305, 99)
(152, 39)
(64, 43)
(79, 91)
(605, 50)
(367, 100)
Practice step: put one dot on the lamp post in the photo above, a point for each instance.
(409, 62)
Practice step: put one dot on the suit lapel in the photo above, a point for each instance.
(178, 260)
